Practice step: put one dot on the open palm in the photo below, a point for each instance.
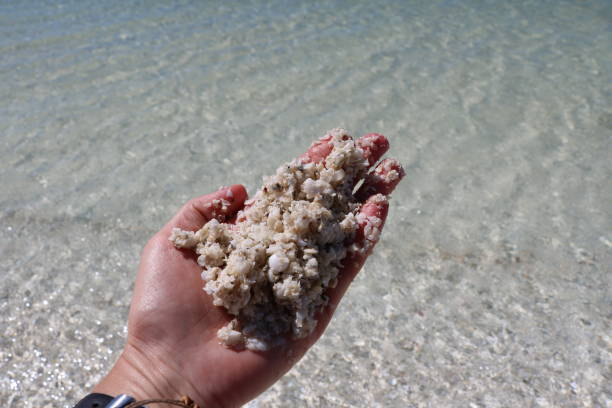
(172, 347)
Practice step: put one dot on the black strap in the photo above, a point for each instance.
(94, 400)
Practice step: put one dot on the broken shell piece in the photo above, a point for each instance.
(278, 263)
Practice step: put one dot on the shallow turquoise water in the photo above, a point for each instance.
(491, 286)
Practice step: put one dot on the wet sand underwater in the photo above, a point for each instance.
(498, 243)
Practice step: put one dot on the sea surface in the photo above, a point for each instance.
(491, 285)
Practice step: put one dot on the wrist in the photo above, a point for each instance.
(142, 377)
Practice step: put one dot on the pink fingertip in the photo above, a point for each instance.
(374, 145)
(318, 150)
(376, 206)
(235, 192)
(383, 179)
(387, 167)
(371, 219)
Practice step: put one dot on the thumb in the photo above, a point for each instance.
(222, 204)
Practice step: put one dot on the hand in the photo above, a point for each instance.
(172, 347)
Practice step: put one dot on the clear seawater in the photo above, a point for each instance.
(491, 285)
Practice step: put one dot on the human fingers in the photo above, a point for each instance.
(221, 204)
(371, 219)
(319, 149)
(374, 145)
(382, 180)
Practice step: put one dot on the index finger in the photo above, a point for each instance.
(319, 149)
(373, 145)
